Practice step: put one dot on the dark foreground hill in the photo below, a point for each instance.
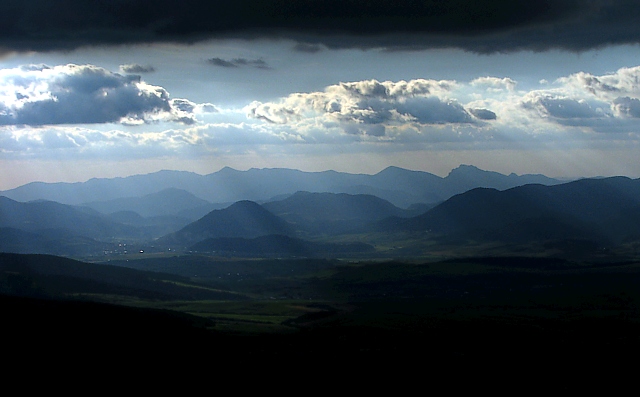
(49, 241)
(53, 276)
(496, 323)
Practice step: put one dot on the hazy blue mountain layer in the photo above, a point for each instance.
(396, 185)
(606, 210)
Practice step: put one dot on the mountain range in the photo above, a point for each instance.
(399, 186)
(606, 210)
(597, 212)
(335, 213)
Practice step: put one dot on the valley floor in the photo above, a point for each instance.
(489, 322)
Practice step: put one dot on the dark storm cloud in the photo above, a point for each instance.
(255, 63)
(475, 25)
(222, 63)
(238, 62)
(135, 68)
(432, 110)
(483, 114)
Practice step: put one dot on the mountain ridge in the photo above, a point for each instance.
(591, 209)
(397, 185)
(245, 219)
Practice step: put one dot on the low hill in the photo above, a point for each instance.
(605, 210)
(49, 241)
(53, 276)
(170, 201)
(40, 215)
(331, 213)
(245, 219)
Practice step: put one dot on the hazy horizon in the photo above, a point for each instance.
(441, 174)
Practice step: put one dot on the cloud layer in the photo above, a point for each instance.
(368, 107)
(86, 94)
(488, 109)
(476, 25)
(578, 110)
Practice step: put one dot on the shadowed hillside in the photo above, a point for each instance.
(52, 276)
(605, 210)
(244, 219)
(330, 213)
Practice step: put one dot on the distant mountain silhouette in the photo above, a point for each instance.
(399, 186)
(38, 216)
(467, 177)
(605, 210)
(49, 241)
(245, 219)
(333, 213)
(152, 227)
(47, 227)
(100, 189)
(170, 201)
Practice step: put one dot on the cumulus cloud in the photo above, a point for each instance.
(369, 115)
(475, 25)
(369, 107)
(603, 103)
(135, 68)
(83, 94)
(625, 106)
(483, 114)
(205, 108)
(619, 83)
(487, 109)
(239, 62)
(560, 107)
(495, 83)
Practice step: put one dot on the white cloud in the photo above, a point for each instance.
(579, 110)
(370, 107)
(82, 94)
(495, 83)
(485, 110)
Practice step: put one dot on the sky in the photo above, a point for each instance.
(129, 87)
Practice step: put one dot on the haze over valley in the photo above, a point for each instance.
(175, 210)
